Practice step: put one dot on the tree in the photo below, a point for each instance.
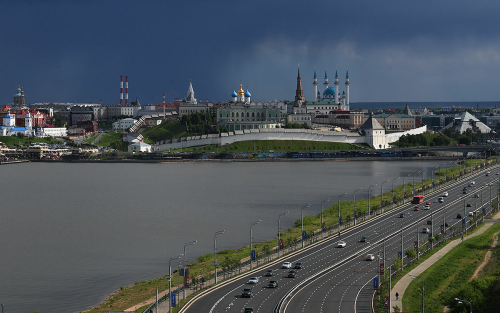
(58, 120)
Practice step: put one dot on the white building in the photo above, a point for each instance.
(139, 147)
(124, 124)
(52, 132)
(374, 132)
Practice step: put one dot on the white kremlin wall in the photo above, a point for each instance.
(277, 134)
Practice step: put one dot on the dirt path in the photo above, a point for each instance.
(487, 257)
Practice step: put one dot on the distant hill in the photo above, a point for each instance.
(164, 131)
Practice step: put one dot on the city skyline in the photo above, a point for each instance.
(66, 51)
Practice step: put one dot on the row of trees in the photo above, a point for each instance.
(422, 140)
(200, 123)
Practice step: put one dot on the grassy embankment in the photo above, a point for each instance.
(14, 141)
(128, 296)
(448, 277)
(89, 140)
(113, 140)
(174, 129)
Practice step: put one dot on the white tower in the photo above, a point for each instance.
(336, 83)
(28, 121)
(315, 84)
(190, 94)
(234, 95)
(347, 83)
(326, 80)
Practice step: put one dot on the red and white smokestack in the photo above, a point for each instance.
(163, 99)
(126, 89)
(121, 89)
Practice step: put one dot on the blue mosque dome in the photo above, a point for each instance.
(330, 91)
(248, 94)
(234, 94)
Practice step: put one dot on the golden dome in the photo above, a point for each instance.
(241, 92)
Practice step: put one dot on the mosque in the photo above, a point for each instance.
(331, 99)
(9, 126)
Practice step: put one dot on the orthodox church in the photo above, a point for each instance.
(9, 126)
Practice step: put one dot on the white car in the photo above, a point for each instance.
(370, 257)
(253, 280)
(488, 174)
(445, 194)
(341, 244)
(441, 200)
(425, 230)
(471, 213)
(286, 265)
(427, 207)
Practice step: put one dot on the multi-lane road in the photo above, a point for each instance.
(331, 277)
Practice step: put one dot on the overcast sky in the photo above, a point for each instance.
(75, 51)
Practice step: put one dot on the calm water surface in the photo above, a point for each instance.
(73, 233)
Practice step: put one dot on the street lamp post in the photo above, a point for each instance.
(404, 190)
(369, 197)
(302, 223)
(423, 192)
(184, 267)
(251, 247)
(414, 192)
(345, 194)
(393, 188)
(354, 209)
(220, 232)
(423, 291)
(279, 229)
(382, 194)
(324, 201)
(461, 301)
(170, 282)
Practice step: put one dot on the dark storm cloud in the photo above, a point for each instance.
(395, 50)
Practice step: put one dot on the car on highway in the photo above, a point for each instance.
(292, 274)
(402, 215)
(425, 230)
(459, 215)
(370, 257)
(472, 183)
(428, 203)
(429, 222)
(427, 207)
(253, 280)
(446, 224)
(464, 191)
(341, 244)
(416, 208)
(298, 265)
(269, 273)
(286, 265)
(364, 239)
(498, 173)
(476, 195)
(469, 205)
(471, 213)
(487, 173)
(248, 309)
(247, 293)
(445, 194)
(272, 284)
(440, 199)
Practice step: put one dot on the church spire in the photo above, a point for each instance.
(299, 93)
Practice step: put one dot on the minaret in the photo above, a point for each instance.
(347, 83)
(299, 93)
(336, 83)
(28, 122)
(315, 84)
(326, 80)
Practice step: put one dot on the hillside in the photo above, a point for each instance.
(164, 131)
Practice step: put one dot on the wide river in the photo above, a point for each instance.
(73, 233)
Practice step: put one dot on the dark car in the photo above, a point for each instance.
(469, 205)
(446, 224)
(401, 215)
(269, 273)
(429, 222)
(292, 274)
(363, 239)
(459, 215)
(298, 265)
(416, 208)
(248, 309)
(247, 293)
(272, 284)
(464, 191)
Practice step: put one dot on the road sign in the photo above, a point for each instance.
(381, 268)
(430, 234)
(447, 178)
(304, 235)
(253, 255)
(416, 244)
(341, 222)
(281, 244)
(400, 254)
(356, 213)
(414, 191)
(186, 281)
(484, 211)
(172, 298)
(375, 282)
(215, 263)
(442, 229)
(324, 226)
(463, 221)
(433, 185)
(386, 303)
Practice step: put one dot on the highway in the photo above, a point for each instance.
(331, 277)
